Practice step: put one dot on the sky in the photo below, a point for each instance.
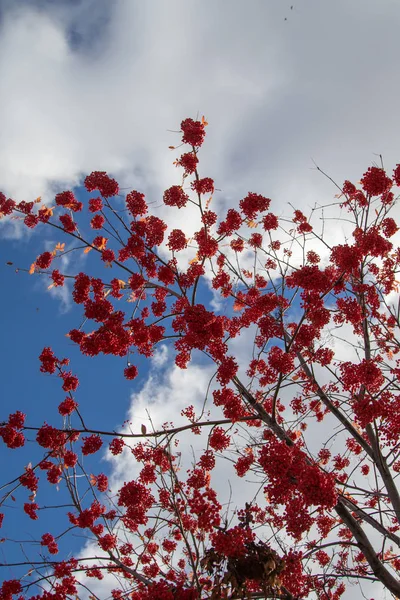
(98, 85)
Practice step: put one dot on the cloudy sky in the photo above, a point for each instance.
(103, 85)
(97, 84)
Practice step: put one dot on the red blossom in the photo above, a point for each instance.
(137, 500)
(70, 459)
(6, 206)
(232, 223)
(16, 419)
(68, 223)
(44, 260)
(29, 480)
(219, 440)
(67, 406)
(49, 541)
(97, 222)
(49, 437)
(31, 221)
(203, 186)
(99, 180)
(70, 382)
(175, 196)
(237, 245)
(68, 200)
(54, 474)
(81, 288)
(254, 204)
(193, 132)
(243, 464)
(49, 361)
(11, 437)
(256, 240)
(282, 361)
(58, 278)
(209, 218)
(107, 256)
(25, 207)
(207, 245)
(116, 446)
(95, 204)
(131, 372)
(30, 509)
(9, 588)
(177, 240)
(188, 161)
(136, 203)
(232, 542)
(270, 222)
(375, 181)
(91, 444)
(389, 227)
(304, 228)
(108, 542)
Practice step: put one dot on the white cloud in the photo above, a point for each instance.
(276, 93)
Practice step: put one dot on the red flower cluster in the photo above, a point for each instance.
(346, 258)
(10, 588)
(281, 361)
(310, 277)
(254, 204)
(58, 278)
(91, 444)
(175, 196)
(30, 509)
(6, 206)
(366, 373)
(49, 541)
(375, 181)
(131, 372)
(244, 463)
(137, 500)
(232, 542)
(88, 516)
(203, 186)
(231, 224)
(296, 483)
(95, 204)
(99, 180)
(29, 480)
(97, 222)
(177, 240)
(49, 437)
(49, 361)
(68, 200)
(371, 242)
(68, 223)
(207, 245)
(193, 132)
(44, 260)
(136, 203)
(188, 161)
(270, 221)
(31, 221)
(9, 431)
(116, 446)
(219, 440)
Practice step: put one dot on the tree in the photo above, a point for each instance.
(312, 521)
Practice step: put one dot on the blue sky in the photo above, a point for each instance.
(99, 85)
